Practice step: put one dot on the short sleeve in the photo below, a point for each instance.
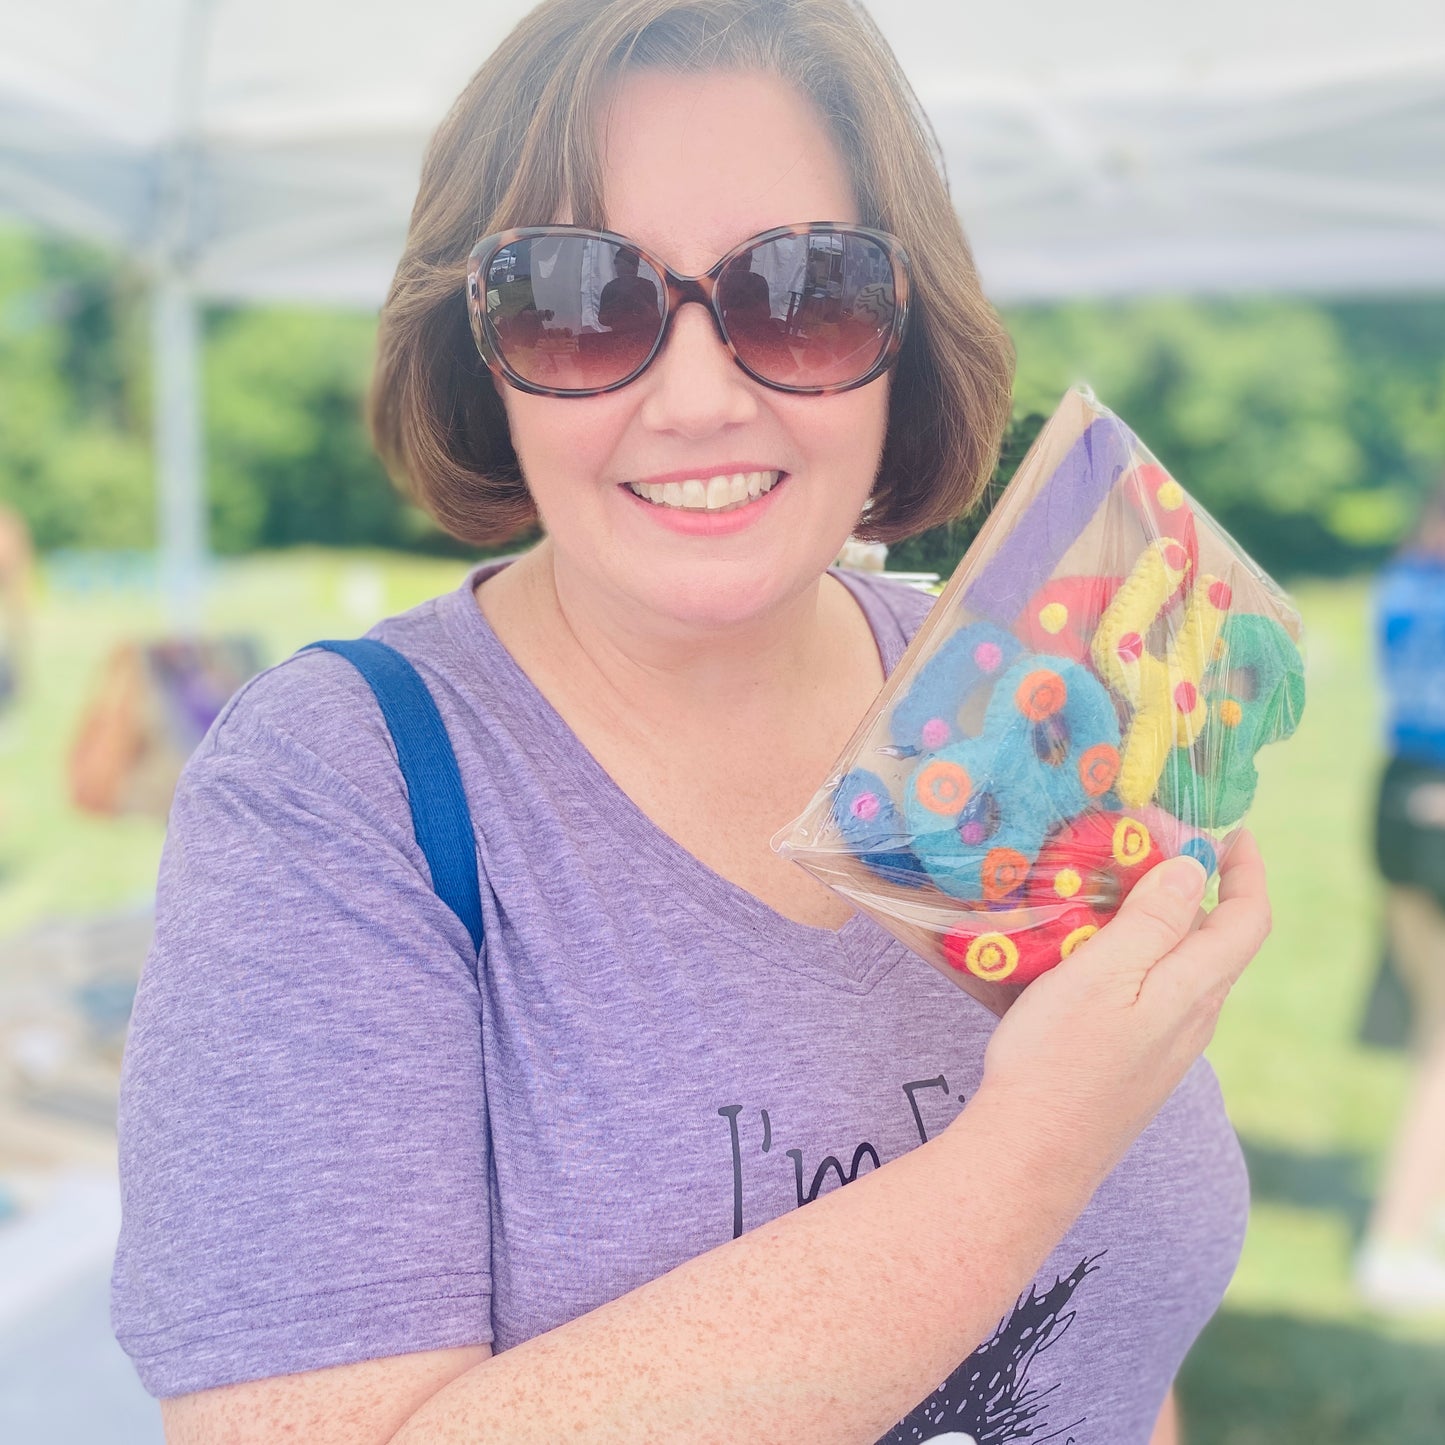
(303, 1128)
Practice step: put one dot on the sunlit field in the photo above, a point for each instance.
(1292, 1358)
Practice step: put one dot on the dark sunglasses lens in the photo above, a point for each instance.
(810, 310)
(572, 313)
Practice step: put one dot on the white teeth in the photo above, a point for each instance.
(712, 495)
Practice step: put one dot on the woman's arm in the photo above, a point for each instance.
(831, 1322)
(1166, 1427)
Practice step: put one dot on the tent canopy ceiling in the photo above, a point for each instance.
(270, 148)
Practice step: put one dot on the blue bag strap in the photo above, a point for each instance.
(439, 813)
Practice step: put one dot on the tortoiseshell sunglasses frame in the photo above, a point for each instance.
(678, 290)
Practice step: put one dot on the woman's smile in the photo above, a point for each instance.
(714, 492)
(716, 504)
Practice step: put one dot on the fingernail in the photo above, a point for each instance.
(1185, 878)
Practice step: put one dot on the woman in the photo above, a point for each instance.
(555, 1190)
(17, 564)
(1402, 1263)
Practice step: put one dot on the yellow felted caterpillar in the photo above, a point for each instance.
(1165, 692)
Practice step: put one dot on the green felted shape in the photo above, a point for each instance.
(1255, 692)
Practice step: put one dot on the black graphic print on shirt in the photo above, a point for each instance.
(990, 1399)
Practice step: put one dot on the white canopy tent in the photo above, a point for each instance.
(250, 149)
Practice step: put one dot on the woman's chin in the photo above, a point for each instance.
(714, 595)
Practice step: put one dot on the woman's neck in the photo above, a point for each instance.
(651, 675)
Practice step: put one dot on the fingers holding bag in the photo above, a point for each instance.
(1092, 1049)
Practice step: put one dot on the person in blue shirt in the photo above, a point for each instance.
(1402, 1264)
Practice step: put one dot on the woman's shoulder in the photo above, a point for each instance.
(894, 609)
(314, 715)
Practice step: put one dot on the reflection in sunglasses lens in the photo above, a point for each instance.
(573, 313)
(578, 313)
(810, 310)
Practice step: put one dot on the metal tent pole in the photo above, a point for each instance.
(180, 496)
(181, 531)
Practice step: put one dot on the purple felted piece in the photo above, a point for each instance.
(1027, 557)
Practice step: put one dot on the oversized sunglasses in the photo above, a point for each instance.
(563, 311)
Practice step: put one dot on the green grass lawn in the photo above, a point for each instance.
(1291, 1358)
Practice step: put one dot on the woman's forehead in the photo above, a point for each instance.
(693, 164)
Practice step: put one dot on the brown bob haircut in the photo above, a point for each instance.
(519, 149)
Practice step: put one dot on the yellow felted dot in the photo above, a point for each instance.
(1131, 842)
(1230, 713)
(1077, 937)
(1067, 882)
(1220, 648)
(1054, 618)
(992, 956)
(1171, 496)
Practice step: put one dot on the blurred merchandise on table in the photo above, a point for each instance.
(152, 704)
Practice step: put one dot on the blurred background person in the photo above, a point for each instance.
(1402, 1264)
(17, 566)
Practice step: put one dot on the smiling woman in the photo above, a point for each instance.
(685, 285)
(692, 166)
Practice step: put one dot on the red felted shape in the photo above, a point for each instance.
(1014, 946)
(1062, 615)
(1095, 859)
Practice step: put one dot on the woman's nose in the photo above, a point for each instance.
(695, 386)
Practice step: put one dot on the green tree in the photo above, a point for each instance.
(1245, 402)
(288, 456)
(74, 454)
(1310, 430)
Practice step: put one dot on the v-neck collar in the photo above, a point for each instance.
(854, 957)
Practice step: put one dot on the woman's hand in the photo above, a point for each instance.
(1093, 1048)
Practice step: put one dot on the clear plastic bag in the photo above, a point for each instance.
(1086, 699)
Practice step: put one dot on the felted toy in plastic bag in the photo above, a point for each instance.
(1086, 699)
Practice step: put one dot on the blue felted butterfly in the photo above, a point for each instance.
(976, 656)
(978, 810)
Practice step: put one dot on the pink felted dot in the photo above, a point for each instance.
(1220, 596)
(934, 733)
(971, 833)
(1176, 557)
(988, 656)
(865, 806)
(1186, 697)
(1131, 647)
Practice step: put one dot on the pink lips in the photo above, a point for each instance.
(690, 523)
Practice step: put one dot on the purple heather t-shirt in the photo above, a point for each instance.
(344, 1136)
